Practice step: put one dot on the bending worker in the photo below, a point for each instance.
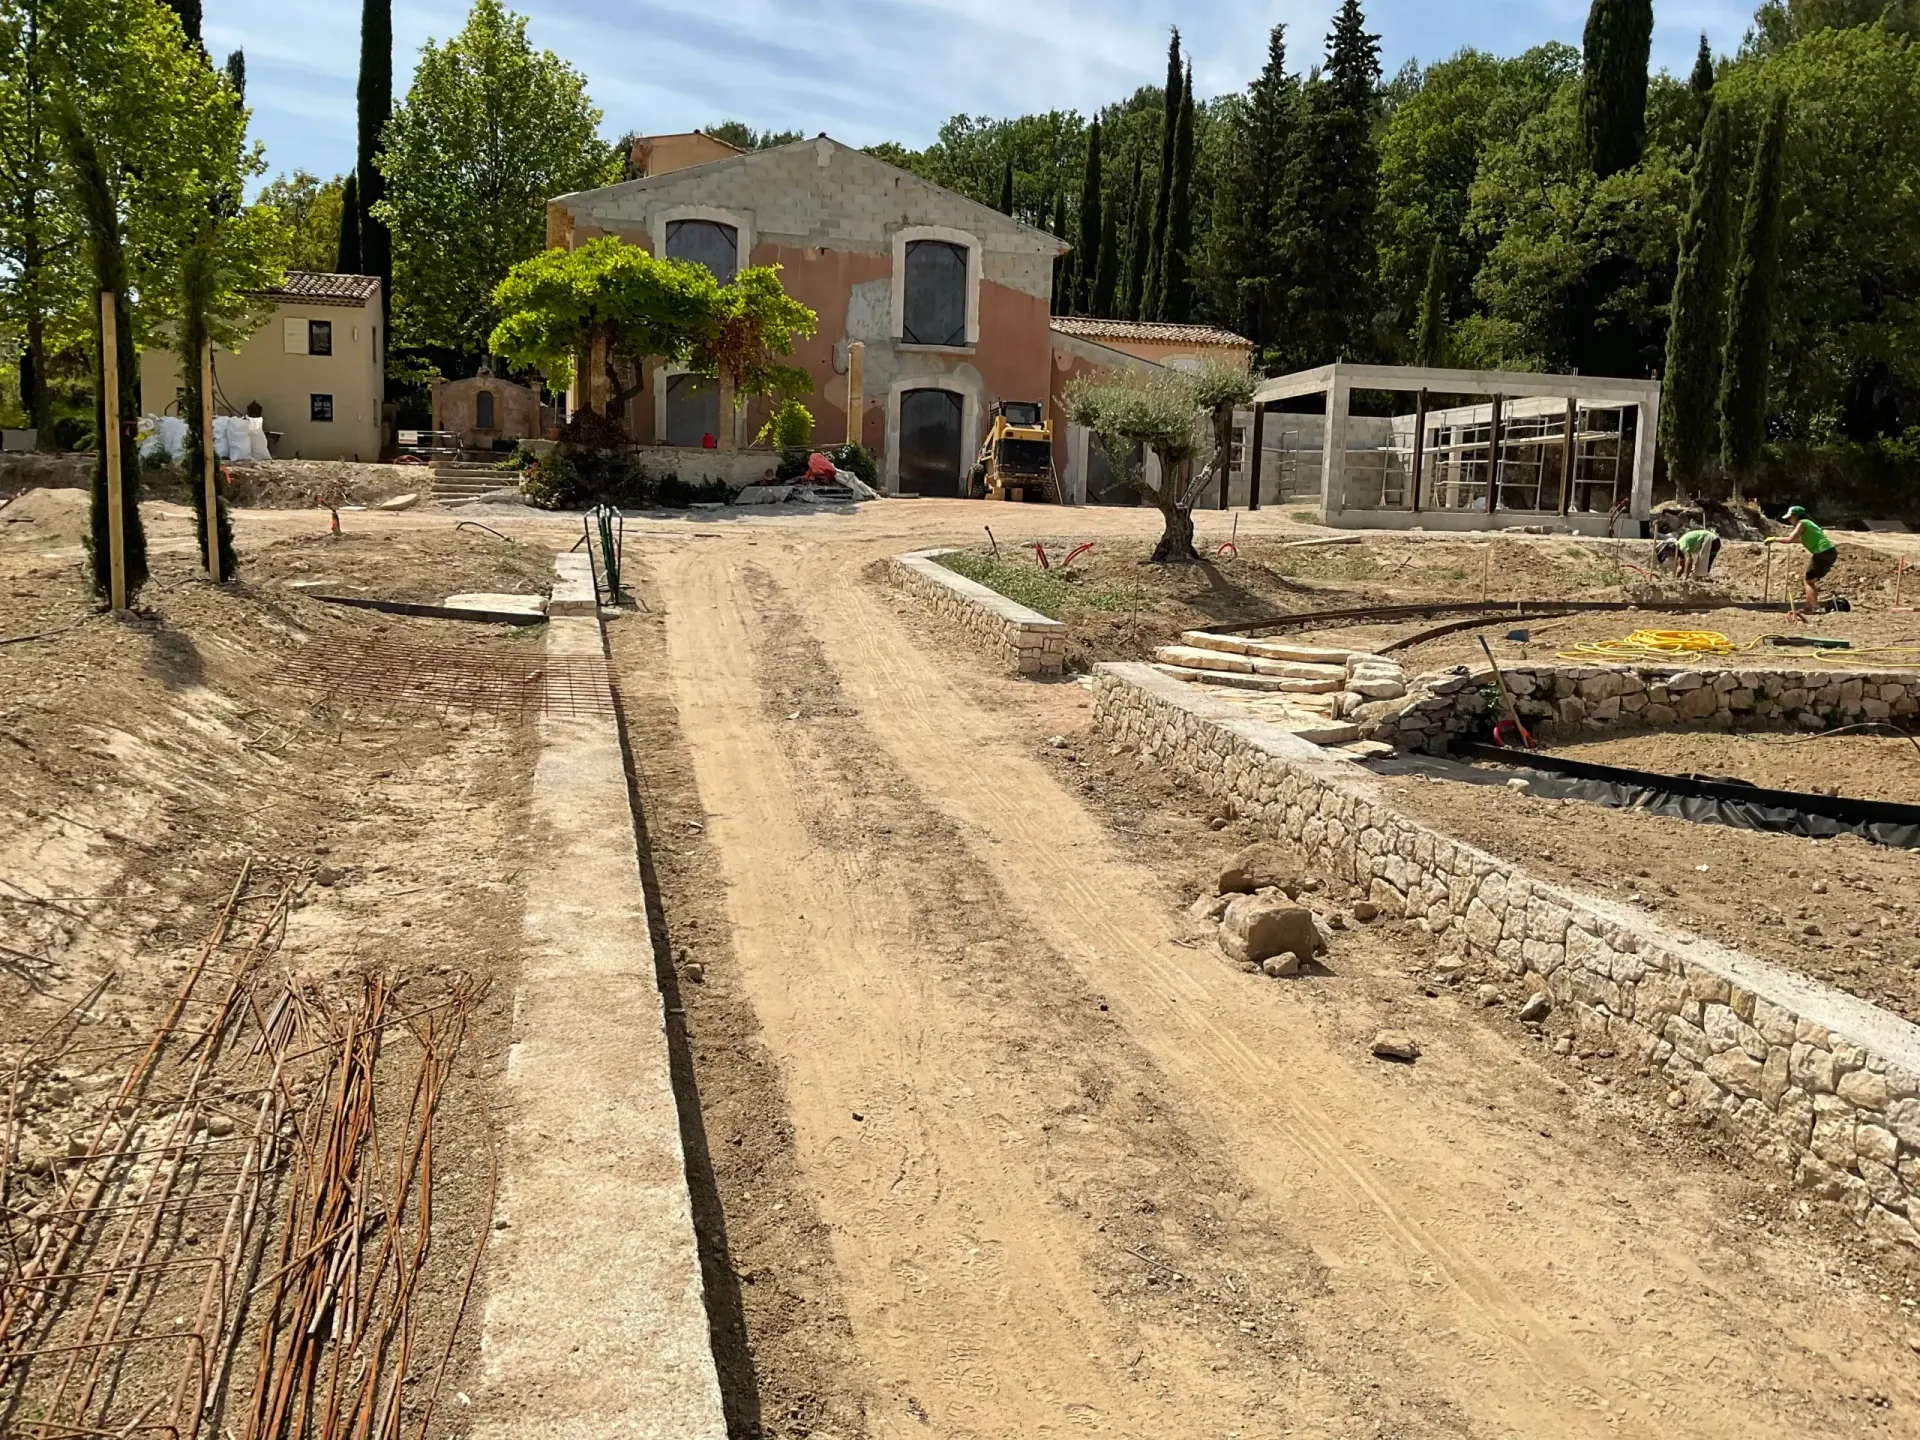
(1698, 550)
(1820, 550)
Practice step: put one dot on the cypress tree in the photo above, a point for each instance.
(1431, 346)
(1241, 269)
(1136, 277)
(1087, 248)
(1178, 290)
(1153, 296)
(1613, 92)
(376, 105)
(1106, 271)
(1700, 82)
(1743, 382)
(1006, 188)
(1697, 324)
(1062, 273)
(196, 302)
(237, 72)
(189, 13)
(349, 261)
(107, 252)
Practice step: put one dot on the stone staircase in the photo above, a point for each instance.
(457, 481)
(1306, 689)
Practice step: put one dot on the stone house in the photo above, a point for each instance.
(949, 298)
(485, 408)
(316, 369)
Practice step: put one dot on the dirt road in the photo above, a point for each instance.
(1077, 1177)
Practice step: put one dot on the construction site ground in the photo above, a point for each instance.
(985, 1138)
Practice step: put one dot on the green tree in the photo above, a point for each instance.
(1697, 323)
(1106, 270)
(489, 130)
(236, 69)
(311, 209)
(1133, 289)
(1613, 96)
(744, 136)
(1327, 215)
(188, 12)
(199, 287)
(971, 154)
(1062, 301)
(755, 326)
(374, 102)
(1779, 24)
(1177, 288)
(1750, 305)
(1430, 348)
(1700, 83)
(1153, 293)
(1240, 275)
(1086, 254)
(348, 258)
(1006, 188)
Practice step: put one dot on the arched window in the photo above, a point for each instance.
(934, 305)
(712, 244)
(483, 410)
(693, 410)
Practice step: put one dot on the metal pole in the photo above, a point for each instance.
(209, 462)
(1253, 475)
(110, 442)
(1419, 445)
(1493, 461)
(1566, 456)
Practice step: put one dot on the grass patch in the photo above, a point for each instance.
(1051, 592)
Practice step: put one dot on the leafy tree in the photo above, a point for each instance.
(742, 135)
(1240, 273)
(1689, 413)
(1161, 410)
(1006, 188)
(374, 99)
(559, 308)
(755, 325)
(349, 259)
(1086, 253)
(1153, 294)
(1613, 96)
(1177, 288)
(1779, 24)
(1327, 215)
(1430, 347)
(489, 130)
(971, 153)
(311, 209)
(1750, 303)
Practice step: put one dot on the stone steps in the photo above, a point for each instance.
(1266, 649)
(1313, 678)
(1243, 679)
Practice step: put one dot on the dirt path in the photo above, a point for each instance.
(1081, 1178)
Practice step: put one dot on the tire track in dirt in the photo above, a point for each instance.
(1586, 1377)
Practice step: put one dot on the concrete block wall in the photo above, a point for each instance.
(1565, 701)
(1819, 1081)
(1023, 640)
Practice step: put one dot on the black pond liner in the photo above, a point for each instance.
(1702, 799)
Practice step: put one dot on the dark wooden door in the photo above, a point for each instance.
(931, 462)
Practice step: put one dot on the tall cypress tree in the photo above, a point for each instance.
(237, 73)
(1062, 270)
(350, 259)
(376, 105)
(1106, 271)
(1430, 348)
(1006, 188)
(1178, 306)
(189, 13)
(1700, 82)
(1131, 292)
(1743, 382)
(1697, 325)
(1613, 92)
(1087, 248)
(1241, 268)
(1153, 297)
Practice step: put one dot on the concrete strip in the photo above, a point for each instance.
(595, 1320)
(498, 602)
(573, 586)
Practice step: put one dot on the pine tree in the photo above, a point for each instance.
(1743, 381)
(1325, 220)
(1178, 290)
(1697, 324)
(1241, 269)
(1430, 348)
(349, 261)
(376, 105)
(1700, 82)
(1006, 188)
(1062, 271)
(1613, 93)
(1152, 296)
(1134, 278)
(1087, 248)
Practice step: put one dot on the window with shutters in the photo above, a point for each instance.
(934, 295)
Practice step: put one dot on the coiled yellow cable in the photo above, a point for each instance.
(1658, 645)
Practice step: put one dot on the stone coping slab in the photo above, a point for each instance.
(1819, 1080)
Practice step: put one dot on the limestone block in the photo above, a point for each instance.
(1774, 1080)
(1863, 1089)
(1699, 703)
(1811, 1068)
(1871, 1142)
(1903, 1117)
(1660, 714)
(1883, 1225)
(1833, 1127)
(1735, 1070)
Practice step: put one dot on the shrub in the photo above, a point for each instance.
(789, 428)
(677, 494)
(792, 464)
(574, 477)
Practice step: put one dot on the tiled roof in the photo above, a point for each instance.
(1153, 330)
(310, 287)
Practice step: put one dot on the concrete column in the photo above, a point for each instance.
(1333, 453)
(1646, 433)
(856, 390)
(1255, 453)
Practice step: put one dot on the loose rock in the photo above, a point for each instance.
(1365, 910)
(1276, 966)
(696, 972)
(1489, 995)
(1537, 1006)
(1256, 868)
(1395, 1045)
(1209, 907)
(1256, 927)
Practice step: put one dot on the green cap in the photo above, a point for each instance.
(1795, 512)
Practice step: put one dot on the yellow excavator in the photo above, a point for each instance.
(1016, 462)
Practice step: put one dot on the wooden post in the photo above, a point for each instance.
(726, 407)
(1566, 457)
(1493, 460)
(110, 443)
(856, 392)
(1419, 446)
(210, 463)
(1253, 473)
(596, 387)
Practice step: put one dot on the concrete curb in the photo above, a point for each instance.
(1821, 1081)
(595, 1319)
(1026, 641)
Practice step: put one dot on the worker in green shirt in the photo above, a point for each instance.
(1698, 550)
(1820, 550)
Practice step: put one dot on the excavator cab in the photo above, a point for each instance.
(1016, 459)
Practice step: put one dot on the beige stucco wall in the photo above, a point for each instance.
(283, 384)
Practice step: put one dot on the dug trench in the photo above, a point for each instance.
(1000, 1146)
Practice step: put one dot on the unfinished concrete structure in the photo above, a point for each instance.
(1473, 450)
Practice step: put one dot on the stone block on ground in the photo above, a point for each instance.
(1259, 867)
(1395, 1045)
(1258, 927)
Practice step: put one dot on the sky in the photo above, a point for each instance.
(869, 70)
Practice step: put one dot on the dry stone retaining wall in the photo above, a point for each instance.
(1024, 640)
(1560, 702)
(1820, 1081)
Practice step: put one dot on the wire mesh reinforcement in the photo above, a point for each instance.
(451, 679)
